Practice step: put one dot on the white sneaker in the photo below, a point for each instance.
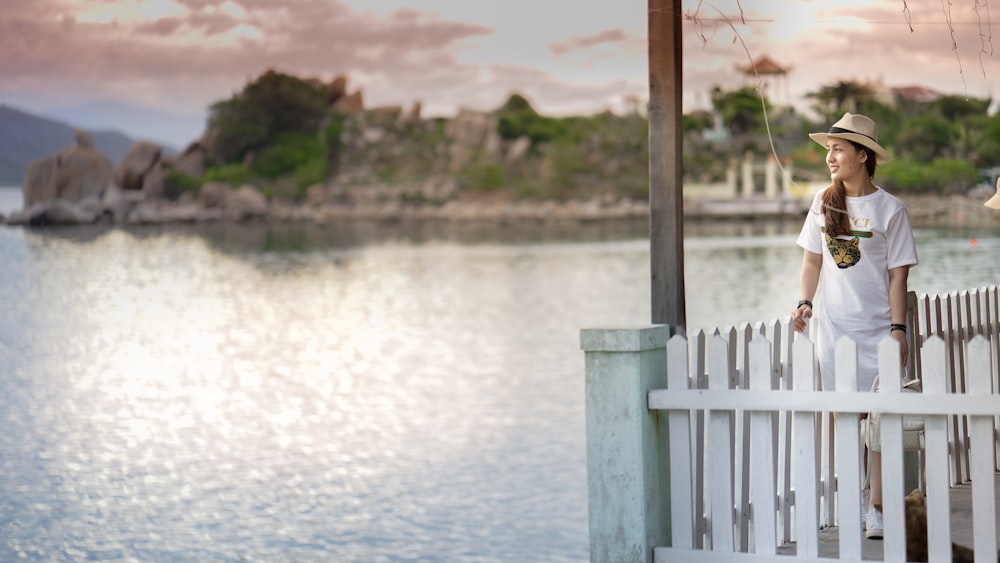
(873, 524)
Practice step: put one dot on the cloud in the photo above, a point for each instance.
(578, 43)
(207, 24)
(212, 51)
(184, 55)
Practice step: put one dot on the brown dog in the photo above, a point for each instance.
(916, 533)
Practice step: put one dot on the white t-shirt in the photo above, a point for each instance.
(854, 277)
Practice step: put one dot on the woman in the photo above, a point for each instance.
(858, 245)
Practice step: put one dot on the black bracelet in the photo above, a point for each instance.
(897, 326)
(805, 302)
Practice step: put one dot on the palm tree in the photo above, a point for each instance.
(843, 95)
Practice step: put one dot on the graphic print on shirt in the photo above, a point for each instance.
(846, 253)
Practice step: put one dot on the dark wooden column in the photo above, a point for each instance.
(666, 206)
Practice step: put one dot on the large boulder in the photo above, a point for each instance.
(154, 178)
(472, 134)
(246, 202)
(337, 88)
(410, 117)
(192, 161)
(213, 194)
(40, 180)
(353, 103)
(73, 174)
(58, 212)
(140, 159)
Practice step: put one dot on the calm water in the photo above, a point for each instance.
(366, 393)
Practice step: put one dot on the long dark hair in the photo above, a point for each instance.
(835, 198)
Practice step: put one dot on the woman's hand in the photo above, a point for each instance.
(800, 315)
(904, 347)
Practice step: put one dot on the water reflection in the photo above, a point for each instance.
(174, 401)
(276, 393)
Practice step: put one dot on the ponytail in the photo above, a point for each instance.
(835, 210)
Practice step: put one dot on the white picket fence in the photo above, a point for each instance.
(744, 408)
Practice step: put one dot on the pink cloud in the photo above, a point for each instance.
(408, 54)
(209, 24)
(303, 37)
(578, 43)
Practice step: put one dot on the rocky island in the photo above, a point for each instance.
(301, 150)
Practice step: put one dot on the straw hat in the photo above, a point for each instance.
(857, 128)
(994, 202)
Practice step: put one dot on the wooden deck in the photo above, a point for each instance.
(961, 527)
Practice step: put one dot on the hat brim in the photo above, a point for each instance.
(993, 202)
(881, 155)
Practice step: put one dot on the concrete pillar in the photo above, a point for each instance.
(771, 178)
(732, 189)
(628, 463)
(748, 187)
(786, 179)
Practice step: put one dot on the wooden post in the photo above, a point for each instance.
(666, 204)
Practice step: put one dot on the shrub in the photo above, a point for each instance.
(942, 176)
(481, 175)
(518, 119)
(309, 173)
(232, 174)
(176, 183)
(287, 154)
(538, 128)
(566, 164)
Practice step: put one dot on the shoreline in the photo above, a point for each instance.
(925, 211)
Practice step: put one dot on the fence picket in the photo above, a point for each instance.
(743, 416)
(983, 447)
(965, 331)
(954, 434)
(806, 466)
(719, 446)
(699, 380)
(682, 517)
(977, 304)
(993, 334)
(762, 452)
(937, 471)
(890, 376)
(828, 465)
(782, 341)
(848, 461)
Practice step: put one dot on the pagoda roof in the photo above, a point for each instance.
(764, 65)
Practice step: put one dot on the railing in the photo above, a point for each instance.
(744, 411)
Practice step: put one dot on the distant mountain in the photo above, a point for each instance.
(25, 137)
(172, 130)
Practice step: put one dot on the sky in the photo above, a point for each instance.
(565, 56)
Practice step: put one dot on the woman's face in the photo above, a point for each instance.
(846, 162)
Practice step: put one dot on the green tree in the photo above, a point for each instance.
(988, 145)
(273, 104)
(832, 100)
(925, 137)
(953, 108)
(518, 119)
(740, 109)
